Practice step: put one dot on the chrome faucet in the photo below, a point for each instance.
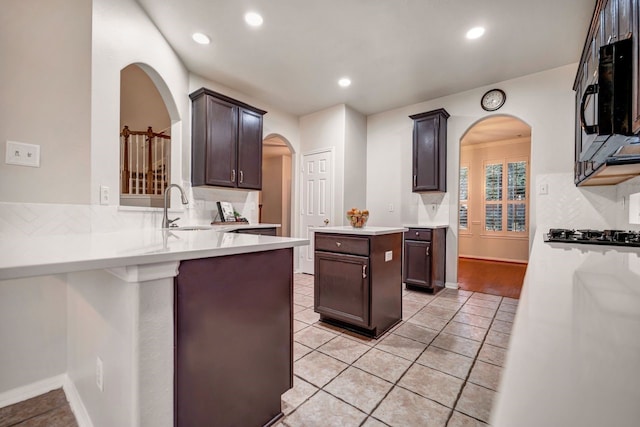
(166, 222)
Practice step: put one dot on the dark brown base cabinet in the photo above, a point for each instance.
(424, 258)
(354, 286)
(234, 339)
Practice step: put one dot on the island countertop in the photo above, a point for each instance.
(44, 255)
(574, 354)
(365, 231)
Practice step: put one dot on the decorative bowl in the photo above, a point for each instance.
(357, 218)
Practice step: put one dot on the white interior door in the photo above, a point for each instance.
(317, 196)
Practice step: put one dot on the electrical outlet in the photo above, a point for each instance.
(99, 374)
(543, 189)
(21, 154)
(104, 195)
(388, 256)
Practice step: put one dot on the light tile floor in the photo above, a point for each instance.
(439, 367)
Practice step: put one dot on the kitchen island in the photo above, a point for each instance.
(574, 355)
(358, 277)
(124, 305)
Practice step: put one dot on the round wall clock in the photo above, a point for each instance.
(493, 99)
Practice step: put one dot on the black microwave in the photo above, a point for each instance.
(614, 103)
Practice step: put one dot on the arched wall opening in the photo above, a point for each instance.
(147, 115)
(275, 199)
(494, 196)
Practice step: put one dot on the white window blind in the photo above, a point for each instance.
(508, 215)
(464, 198)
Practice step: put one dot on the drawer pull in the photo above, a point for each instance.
(364, 271)
(417, 233)
(338, 244)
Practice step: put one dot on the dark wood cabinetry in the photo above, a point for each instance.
(226, 148)
(234, 338)
(357, 281)
(430, 151)
(612, 20)
(424, 258)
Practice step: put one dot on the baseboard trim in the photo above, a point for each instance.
(512, 261)
(31, 390)
(75, 402)
(451, 285)
(37, 388)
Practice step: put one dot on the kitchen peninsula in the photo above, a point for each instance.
(358, 277)
(574, 354)
(123, 291)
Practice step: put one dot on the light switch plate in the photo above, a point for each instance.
(22, 154)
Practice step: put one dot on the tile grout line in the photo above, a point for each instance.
(412, 362)
(473, 364)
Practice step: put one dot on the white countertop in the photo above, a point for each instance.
(365, 231)
(574, 356)
(36, 256)
(425, 225)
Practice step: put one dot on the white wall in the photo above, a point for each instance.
(355, 160)
(122, 35)
(141, 104)
(45, 87)
(543, 100)
(33, 330)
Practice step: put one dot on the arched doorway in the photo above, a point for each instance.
(275, 197)
(494, 200)
(147, 113)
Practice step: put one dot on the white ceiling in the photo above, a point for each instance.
(396, 52)
(496, 128)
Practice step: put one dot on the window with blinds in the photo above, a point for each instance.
(505, 213)
(464, 198)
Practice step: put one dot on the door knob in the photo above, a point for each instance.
(326, 221)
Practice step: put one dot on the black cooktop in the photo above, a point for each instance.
(594, 237)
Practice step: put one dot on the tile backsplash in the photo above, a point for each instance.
(39, 219)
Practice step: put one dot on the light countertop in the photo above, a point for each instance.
(365, 231)
(425, 226)
(574, 355)
(44, 255)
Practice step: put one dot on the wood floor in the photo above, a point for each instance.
(491, 277)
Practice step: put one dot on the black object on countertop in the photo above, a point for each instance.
(594, 237)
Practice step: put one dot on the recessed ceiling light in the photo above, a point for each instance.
(201, 38)
(475, 32)
(344, 82)
(253, 19)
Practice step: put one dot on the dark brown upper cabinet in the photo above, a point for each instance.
(226, 141)
(612, 21)
(430, 151)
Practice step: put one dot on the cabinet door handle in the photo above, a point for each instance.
(338, 244)
(233, 175)
(588, 129)
(241, 177)
(417, 233)
(428, 250)
(364, 271)
(415, 180)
